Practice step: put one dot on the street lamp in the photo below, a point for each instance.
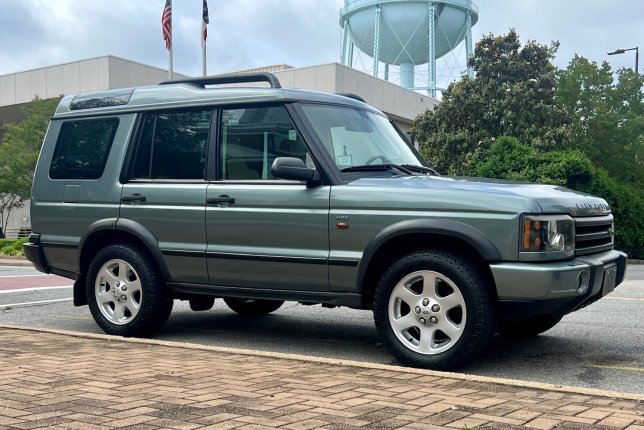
(637, 56)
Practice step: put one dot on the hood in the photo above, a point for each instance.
(550, 198)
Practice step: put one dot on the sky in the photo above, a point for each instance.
(251, 33)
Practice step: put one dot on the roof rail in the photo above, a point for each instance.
(229, 79)
(352, 96)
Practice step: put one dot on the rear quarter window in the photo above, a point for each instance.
(82, 148)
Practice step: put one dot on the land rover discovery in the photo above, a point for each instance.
(188, 190)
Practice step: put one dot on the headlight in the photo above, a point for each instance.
(546, 237)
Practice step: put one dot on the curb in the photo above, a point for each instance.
(6, 260)
(337, 362)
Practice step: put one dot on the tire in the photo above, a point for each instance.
(126, 271)
(253, 307)
(441, 326)
(527, 328)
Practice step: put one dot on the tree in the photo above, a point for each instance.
(521, 119)
(18, 155)
(513, 94)
(8, 202)
(608, 117)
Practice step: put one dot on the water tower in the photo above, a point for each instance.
(406, 33)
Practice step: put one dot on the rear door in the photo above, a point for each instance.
(165, 189)
(264, 232)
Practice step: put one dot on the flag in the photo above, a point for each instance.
(204, 24)
(166, 23)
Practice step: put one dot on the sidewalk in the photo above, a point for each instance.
(83, 381)
(15, 261)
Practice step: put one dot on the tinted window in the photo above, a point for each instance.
(173, 145)
(252, 138)
(82, 148)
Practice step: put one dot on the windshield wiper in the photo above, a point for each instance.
(377, 168)
(420, 169)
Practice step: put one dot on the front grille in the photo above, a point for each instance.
(593, 234)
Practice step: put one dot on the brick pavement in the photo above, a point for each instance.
(61, 381)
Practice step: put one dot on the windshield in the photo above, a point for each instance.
(355, 137)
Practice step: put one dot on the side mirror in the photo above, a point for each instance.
(294, 169)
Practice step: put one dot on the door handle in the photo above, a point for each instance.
(133, 198)
(221, 199)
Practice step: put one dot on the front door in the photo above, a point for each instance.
(264, 232)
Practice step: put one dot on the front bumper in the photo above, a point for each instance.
(533, 289)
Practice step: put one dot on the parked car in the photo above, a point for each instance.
(262, 195)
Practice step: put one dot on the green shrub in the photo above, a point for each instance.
(627, 205)
(510, 159)
(11, 247)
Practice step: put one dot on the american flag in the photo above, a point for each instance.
(166, 23)
(204, 24)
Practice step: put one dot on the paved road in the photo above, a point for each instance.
(27, 281)
(601, 346)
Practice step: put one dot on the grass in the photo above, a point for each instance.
(11, 247)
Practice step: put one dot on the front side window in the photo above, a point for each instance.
(173, 145)
(82, 148)
(252, 138)
(356, 137)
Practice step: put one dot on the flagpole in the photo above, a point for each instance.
(204, 59)
(204, 34)
(170, 74)
(170, 63)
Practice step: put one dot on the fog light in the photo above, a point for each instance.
(582, 281)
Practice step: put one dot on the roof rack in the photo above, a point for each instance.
(352, 96)
(229, 79)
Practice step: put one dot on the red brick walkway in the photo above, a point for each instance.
(66, 382)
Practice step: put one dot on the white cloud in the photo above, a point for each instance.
(250, 33)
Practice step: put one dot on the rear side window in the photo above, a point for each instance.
(173, 145)
(82, 148)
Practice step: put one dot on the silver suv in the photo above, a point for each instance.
(261, 195)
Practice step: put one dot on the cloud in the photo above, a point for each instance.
(590, 28)
(251, 33)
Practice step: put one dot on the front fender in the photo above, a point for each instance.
(457, 229)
